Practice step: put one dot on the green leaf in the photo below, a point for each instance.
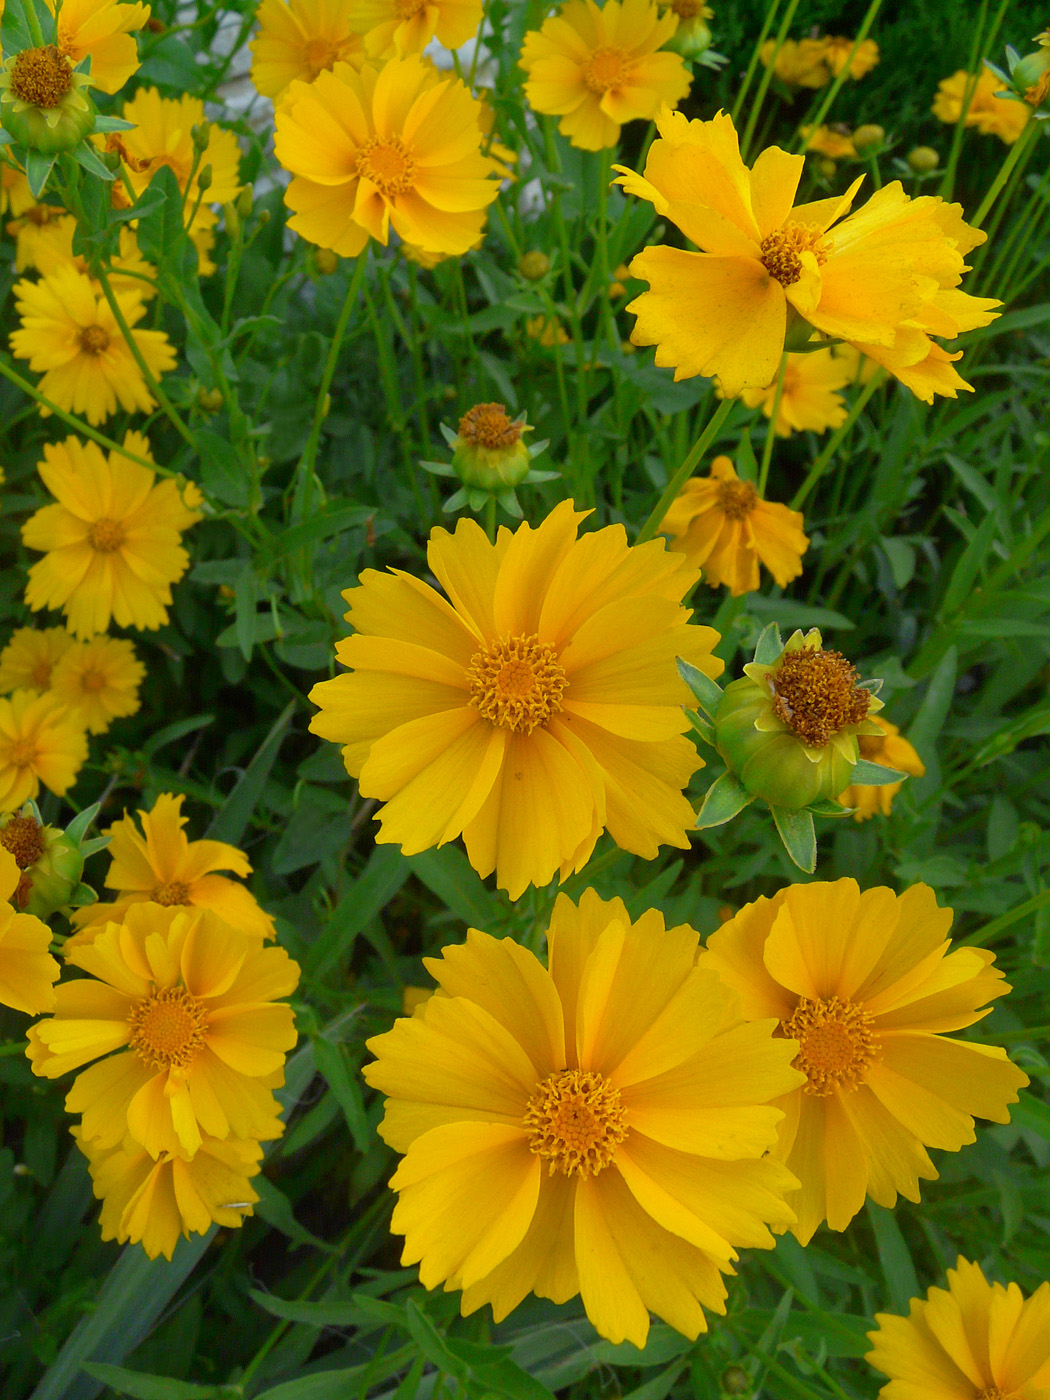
(38, 169)
(799, 838)
(142, 1387)
(386, 872)
(933, 711)
(707, 693)
(769, 645)
(326, 1313)
(274, 1207)
(894, 1258)
(724, 799)
(344, 1384)
(1031, 1115)
(231, 820)
(223, 474)
(86, 157)
(334, 519)
(160, 232)
(788, 613)
(332, 1063)
(449, 874)
(431, 1343)
(246, 598)
(171, 732)
(874, 774)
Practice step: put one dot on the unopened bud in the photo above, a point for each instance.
(232, 220)
(245, 201)
(210, 400)
(489, 450)
(204, 178)
(735, 1381)
(326, 261)
(923, 159)
(533, 265)
(868, 139)
(201, 134)
(827, 167)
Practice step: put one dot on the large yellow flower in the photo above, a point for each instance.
(98, 681)
(809, 398)
(102, 31)
(864, 982)
(884, 279)
(397, 147)
(112, 538)
(299, 39)
(399, 27)
(892, 751)
(977, 1339)
(40, 742)
(191, 1007)
(28, 972)
(598, 68)
(28, 659)
(536, 706)
(161, 865)
(596, 1128)
(991, 115)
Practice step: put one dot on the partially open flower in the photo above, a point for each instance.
(43, 104)
(50, 863)
(490, 450)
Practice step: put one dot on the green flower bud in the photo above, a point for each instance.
(43, 102)
(533, 265)
(51, 863)
(326, 261)
(489, 450)
(693, 35)
(923, 159)
(1029, 77)
(867, 139)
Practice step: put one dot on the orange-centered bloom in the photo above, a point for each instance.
(28, 659)
(102, 31)
(991, 115)
(866, 985)
(883, 279)
(40, 742)
(98, 681)
(536, 706)
(600, 1128)
(598, 68)
(891, 750)
(300, 39)
(28, 972)
(399, 27)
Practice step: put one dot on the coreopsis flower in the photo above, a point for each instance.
(40, 742)
(69, 333)
(47, 245)
(537, 706)
(28, 659)
(191, 1008)
(830, 141)
(50, 861)
(298, 39)
(101, 30)
(891, 750)
(28, 972)
(598, 68)
(765, 266)
(44, 103)
(395, 28)
(112, 538)
(809, 397)
(598, 1128)
(973, 1339)
(98, 681)
(865, 984)
(724, 527)
(798, 62)
(991, 115)
(411, 160)
(489, 450)
(837, 50)
(161, 865)
(15, 195)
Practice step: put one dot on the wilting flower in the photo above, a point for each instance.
(991, 115)
(102, 31)
(724, 527)
(866, 985)
(598, 68)
(537, 706)
(299, 39)
(892, 751)
(98, 681)
(28, 972)
(399, 27)
(40, 742)
(598, 1128)
(809, 397)
(29, 657)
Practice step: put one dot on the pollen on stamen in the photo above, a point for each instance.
(575, 1120)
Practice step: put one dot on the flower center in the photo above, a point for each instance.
(517, 684)
(991, 1392)
(93, 340)
(781, 251)
(23, 753)
(575, 1120)
(41, 674)
(487, 425)
(387, 164)
(174, 892)
(41, 77)
(815, 693)
(688, 9)
(23, 837)
(168, 1028)
(106, 536)
(835, 1043)
(606, 68)
(737, 499)
(319, 55)
(92, 680)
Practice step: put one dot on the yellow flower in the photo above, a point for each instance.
(162, 866)
(15, 195)
(884, 278)
(396, 147)
(537, 706)
(548, 330)
(975, 1339)
(191, 1007)
(40, 742)
(991, 115)
(400, 27)
(154, 1203)
(47, 245)
(837, 50)
(298, 39)
(864, 982)
(28, 972)
(31, 228)
(891, 751)
(27, 660)
(69, 332)
(809, 401)
(799, 62)
(599, 1128)
(112, 539)
(724, 527)
(829, 141)
(598, 68)
(98, 681)
(101, 30)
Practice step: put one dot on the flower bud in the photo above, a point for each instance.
(326, 261)
(923, 160)
(1030, 78)
(826, 166)
(201, 134)
(533, 265)
(51, 863)
(693, 35)
(204, 179)
(489, 450)
(43, 100)
(210, 400)
(868, 139)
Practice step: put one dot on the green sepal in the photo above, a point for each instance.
(769, 645)
(701, 728)
(867, 774)
(106, 124)
(725, 799)
(746, 461)
(872, 687)
(509, 502)
(799, 837)
(438, 468)
(97, 843)
(86, 157)
(82, 895)
(829, 809)
(77, 828)
(38, 170)
(707, 693)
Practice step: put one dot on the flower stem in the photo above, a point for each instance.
(818, 468)
(1019, 148)
(767, 25)
(833, 91)
(767, 446)
(684, 472)
(33, 22)
(981, 44)
(766, 79)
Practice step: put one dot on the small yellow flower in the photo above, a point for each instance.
(548, 330)
(399, 27)
(809, 398)
(830, 141)
(299, 39)
(991, 115)
(799, 62)
(102, 31)
(27, 661)
(15, 195)
(98, 681)
(891, 751)
(40, 742)
(837, 51)
(28, 972)
(46, 244)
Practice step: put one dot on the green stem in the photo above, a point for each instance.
(684, 472)
(767, 78)
(992, 930)
(490, 519)
(767, 446)
(1019, 148)
(33, 21)
(818, 468)
(756, 53)
(980, 46)
(833, 91)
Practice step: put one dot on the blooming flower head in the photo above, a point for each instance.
(830, 141)
(865, 984)
(809, 397)
(798, 62)
(724, 527)
(112, 537)
(598, 1128)
(102, 31)
(837, 50)
(47, 244)
(598, 68)
(161, 865)
(298, 39)
(27, 661)
(44, 103)
(974, 1339)
(68, 331)
(399, 27)
(28, 972)
(891, 750)
(40, 742)
(765, 265)
(191, 1008)
(991, 115)
(98, 680)
(536, 706)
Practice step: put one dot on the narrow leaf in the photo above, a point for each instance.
(874, 774)
(769, 645)
(725, 798)
(799, 838)
(707, 693)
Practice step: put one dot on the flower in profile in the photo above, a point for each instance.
(28, 972)
(161, 865)
(28, 659)
(43, 102)
(102, 31)
(489, 450)
(865, 984)
(98, 681)
(399, 27)
(599, 1128)
(724, 527)
(191, 1008)
(112, 538)
(40, 742)
(409, 160)
(765, 266)
(68, 332)
(598, 68)
(809, 397)
(298, 39)
(974, 1339)
(837, 51)
(798, 62)
(693, 35)
(831, 141)
(536, 706)
(891, 750)
(991, 115)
